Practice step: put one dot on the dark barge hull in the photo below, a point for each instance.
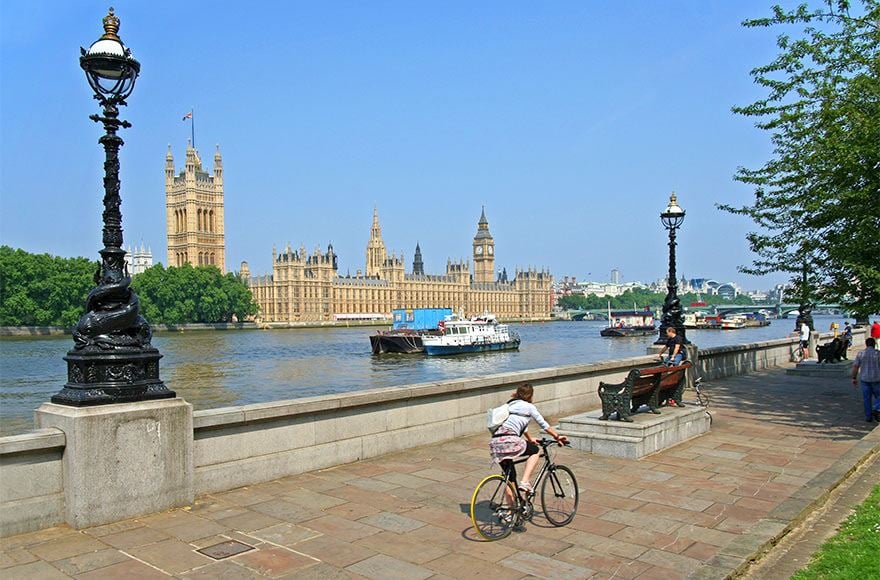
(403, 343)
(628, 331)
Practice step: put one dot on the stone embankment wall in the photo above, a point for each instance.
(237, 446)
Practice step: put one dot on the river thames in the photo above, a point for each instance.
(223, 368)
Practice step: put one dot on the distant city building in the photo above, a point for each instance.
(194, 212)
(758, 296)
(308, 287)
(569, 286)
(615, 276)
(138, 259)
(706, 286)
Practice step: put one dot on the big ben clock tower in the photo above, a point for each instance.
(484, 252)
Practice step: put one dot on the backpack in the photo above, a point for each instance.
(497, 416)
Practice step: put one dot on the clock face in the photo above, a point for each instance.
(479, 250)
(491, 250)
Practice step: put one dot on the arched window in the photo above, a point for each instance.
(212, 258)
(211, 218)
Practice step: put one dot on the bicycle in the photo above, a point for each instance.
(498, 506)
(797, 353)
(702, 398)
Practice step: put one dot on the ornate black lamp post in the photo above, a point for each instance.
(672, 218)
(112, 360)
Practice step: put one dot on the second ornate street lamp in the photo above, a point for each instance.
(672, 218)
(112, 360)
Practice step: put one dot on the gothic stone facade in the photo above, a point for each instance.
(194, 212)
(307, 287)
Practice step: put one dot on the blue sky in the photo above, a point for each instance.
(570, 121)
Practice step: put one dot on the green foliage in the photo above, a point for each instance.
(43, 290)
(640, 298)
(192, 294)
(817, 200)
(855, 551)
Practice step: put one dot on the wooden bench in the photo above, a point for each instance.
(650, 386)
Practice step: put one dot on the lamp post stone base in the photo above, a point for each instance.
(123, 460)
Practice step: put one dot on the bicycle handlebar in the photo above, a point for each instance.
(544, 442)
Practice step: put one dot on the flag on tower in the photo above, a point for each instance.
(188, 116)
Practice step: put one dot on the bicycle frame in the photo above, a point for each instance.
(545, 468)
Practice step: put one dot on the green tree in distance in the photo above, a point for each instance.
(639, 298)
(192, 294)
(817, 199)
(43, 290)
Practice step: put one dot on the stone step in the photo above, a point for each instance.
(812, 368)
(648, 433)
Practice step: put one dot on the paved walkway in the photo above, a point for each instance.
(778, 443)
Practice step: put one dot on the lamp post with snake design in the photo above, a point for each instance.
(112, 360)
(672, 218)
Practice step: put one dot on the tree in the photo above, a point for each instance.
(817, 199)
(192, 294)
(43, 290)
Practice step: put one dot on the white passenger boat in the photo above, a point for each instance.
(462, 335)
(733, 322)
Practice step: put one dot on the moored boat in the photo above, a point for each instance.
(629, 323)
(701, 320)
(733, 322)
(466, 335)
(409, 327)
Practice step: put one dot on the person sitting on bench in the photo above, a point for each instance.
(675, 345)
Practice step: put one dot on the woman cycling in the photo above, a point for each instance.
(511, 440)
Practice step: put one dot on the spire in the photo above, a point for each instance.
(376, 230)
(483, 226)
(418, 265)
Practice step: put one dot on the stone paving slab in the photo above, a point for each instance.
(778, 445)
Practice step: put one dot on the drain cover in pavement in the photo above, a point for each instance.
(225, 549)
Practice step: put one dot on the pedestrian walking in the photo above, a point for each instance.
(866, 372)
(875, 330)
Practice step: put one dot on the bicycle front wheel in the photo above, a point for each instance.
(559, 495)
(494, 508)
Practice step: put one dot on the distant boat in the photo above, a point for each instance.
(733, 322)
(754, 319)
(409, 327)
(629, 323)
(466, 335)
(701, 320)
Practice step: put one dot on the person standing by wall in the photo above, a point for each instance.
(866, 372)
(875, 330)
(847, 338)
(805, 338)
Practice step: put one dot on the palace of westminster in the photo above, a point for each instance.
(308, 287)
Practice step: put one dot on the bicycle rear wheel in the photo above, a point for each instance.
(559, 495)
(494, 508)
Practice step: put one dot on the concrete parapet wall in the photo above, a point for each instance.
(238, 446)
(31, 481)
